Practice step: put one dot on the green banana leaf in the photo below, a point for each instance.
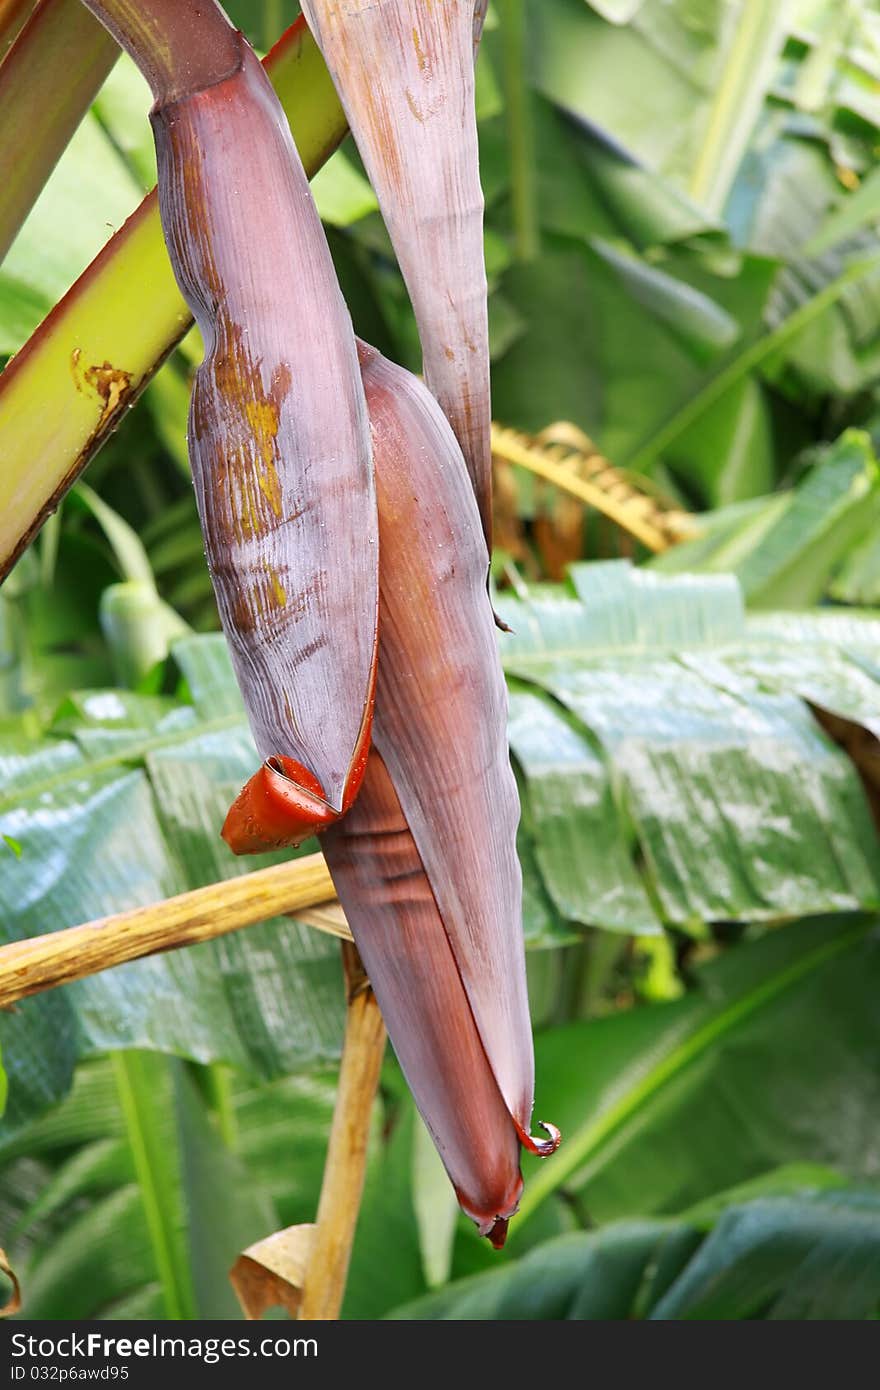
(728, 126)
(617, 11)
(678, 1103)
(676, 729)
(858, 579)
(664, 1105)
(725, 359)
(122, 807)
(110, 1210)
(850, 216)
(672, 774)
(809, 1256)
(111, 1202)
(790, 550)
(836, 352)
(673, 63)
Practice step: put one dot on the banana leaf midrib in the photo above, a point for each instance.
(588, 654)
(135, 1102)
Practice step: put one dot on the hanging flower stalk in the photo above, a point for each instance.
(404, 72)
(424, 857)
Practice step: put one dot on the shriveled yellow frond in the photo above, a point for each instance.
(566, 457)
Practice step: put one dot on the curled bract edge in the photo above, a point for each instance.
(542, 1148)
(283, 803)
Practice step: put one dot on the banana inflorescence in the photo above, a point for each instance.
(346, 517)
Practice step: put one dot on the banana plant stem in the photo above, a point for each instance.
(13, 17)
(181, 46)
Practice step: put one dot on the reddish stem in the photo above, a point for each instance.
(180, 46)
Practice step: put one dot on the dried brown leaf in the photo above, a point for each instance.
(13, 1302)
(271, 1273)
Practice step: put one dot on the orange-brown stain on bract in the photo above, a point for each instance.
(382, 123)
(263, 595)
(247, 449)
(421, 56)
(424, 113)
(262, 416)
(411, 103)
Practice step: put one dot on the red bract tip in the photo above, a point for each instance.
(282, 805)
(279, 807)
(542, 1147)
(498, 1233)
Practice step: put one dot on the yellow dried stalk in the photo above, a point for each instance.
(42, 962)
(566, 457)
(346, 1166)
